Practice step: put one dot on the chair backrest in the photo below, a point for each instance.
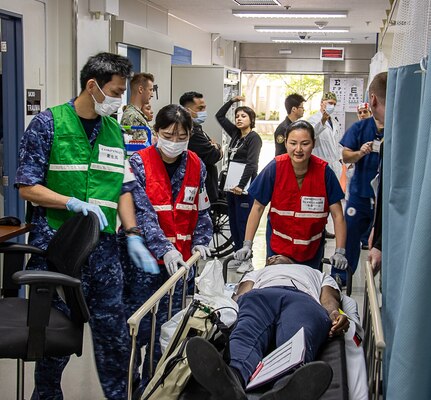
(68, 252)
(71, 245)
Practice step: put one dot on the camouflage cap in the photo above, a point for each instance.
(329, 96)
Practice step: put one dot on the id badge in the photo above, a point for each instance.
(190, 194)
(314, 204)
(376, 145)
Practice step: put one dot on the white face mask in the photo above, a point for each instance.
(329, 108)
(171, 149)
(109, 105)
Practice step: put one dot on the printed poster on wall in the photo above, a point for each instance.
(349, 92)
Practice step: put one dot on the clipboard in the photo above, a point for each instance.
(234, 175)
(289, 355)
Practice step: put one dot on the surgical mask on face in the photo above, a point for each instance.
(201, 117)
(329, 108)
(108, 106)
(171, 149)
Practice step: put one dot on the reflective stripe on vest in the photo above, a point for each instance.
(91, 174)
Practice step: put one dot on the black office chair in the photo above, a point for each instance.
(31, 329)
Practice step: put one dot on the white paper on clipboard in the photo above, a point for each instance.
(289, 355)
(234, 174)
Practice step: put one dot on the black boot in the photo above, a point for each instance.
(306, 383)
(209, 369)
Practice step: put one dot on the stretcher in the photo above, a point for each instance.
(333, 352)
(374, 341)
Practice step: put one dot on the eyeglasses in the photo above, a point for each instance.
(363, 112)
(182, 137)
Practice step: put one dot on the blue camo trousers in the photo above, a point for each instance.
(102, 282)
(271, 316)
(138, 288)
(359, 216)
(239, 208)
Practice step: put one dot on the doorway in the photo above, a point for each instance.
(11, 110)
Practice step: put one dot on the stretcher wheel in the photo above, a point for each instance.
(222, 243)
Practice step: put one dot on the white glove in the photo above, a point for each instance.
(140, 255)
(204, 250)
(172, 259)
(338, 260)
(245, 253)
(76, 205)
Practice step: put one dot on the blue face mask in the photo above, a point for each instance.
(330, 108)
(201, 117)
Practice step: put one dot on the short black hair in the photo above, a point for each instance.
(189, 97)
(293, 100)
(250, 112)
(301, 124)
(103, 66)
(173, 114)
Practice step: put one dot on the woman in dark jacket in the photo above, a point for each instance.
(244, 148)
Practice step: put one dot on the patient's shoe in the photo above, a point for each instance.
(246, 266)
(306, 383)
(209, 369)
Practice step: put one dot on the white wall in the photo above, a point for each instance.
(191, 38)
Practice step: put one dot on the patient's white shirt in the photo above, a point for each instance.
(304, 278)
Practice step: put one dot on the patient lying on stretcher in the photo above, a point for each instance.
(274, 303)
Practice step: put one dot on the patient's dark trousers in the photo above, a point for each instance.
(272, 316)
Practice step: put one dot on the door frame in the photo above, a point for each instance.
(13, 107)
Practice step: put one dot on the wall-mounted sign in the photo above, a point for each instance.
(332, 53)
(33, 101)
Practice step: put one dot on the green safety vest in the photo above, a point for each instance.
(94, 175)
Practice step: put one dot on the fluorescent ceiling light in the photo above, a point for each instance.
(315, 41)
(298, 29)
(289, 14)
(257, 2)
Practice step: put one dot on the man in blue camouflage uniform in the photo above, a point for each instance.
(140, 285)
(103, 81)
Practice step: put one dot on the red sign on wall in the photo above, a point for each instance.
(332, 53)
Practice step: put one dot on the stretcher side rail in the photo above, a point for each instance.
(374, 341)
(151, 305)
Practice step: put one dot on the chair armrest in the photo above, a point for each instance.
(56, 279)
(53, 278)
(11, 247)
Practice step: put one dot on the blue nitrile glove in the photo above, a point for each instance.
(245, 252)
(140, 255)
(338, 260)
(204, 250)
(172, 259)
(77, 206)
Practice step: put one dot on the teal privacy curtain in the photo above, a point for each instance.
(406, 269)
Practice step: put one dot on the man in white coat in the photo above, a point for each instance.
(328, 133)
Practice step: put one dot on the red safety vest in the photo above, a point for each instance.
(298, 216)
(177, 221)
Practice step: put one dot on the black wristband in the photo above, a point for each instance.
(134, 230)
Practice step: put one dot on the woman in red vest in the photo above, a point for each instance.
(302, 190)
(172, 219)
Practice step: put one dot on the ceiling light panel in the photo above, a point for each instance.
(289, 14)
(310, 41)
(257, 2)
(299, 29)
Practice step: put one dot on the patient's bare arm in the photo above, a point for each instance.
(330, 300)
(243, 287)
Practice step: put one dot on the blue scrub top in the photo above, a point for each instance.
(366, 168)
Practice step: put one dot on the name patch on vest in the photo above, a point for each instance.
(190, 194)
(314, 204)
(113, 155)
